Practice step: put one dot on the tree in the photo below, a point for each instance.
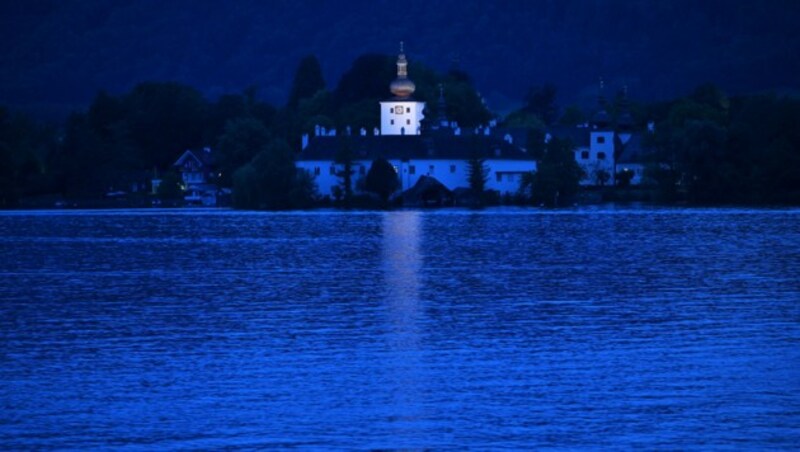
(477, 176)
(557, 178)
(541, 101)
(270, 181)
(572, 116)
(344, 158)
(602, 177)
(243, 139)
(307, 82)
(165, 119)
(169, 188)
(382, 179)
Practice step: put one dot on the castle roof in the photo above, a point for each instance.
(417, 147)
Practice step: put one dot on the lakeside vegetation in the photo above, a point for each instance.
(707, 148)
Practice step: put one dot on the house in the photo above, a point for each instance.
(198, 177)
(440, 153)
(603, 149)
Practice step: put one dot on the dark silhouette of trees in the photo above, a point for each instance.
(307, 82)
(382, 179)
(477, 176)
(242, 140)
(271, 181)
(557, 177)
(344, 158)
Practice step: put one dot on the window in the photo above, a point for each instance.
(412, 169)
(392, 121)
(499, 176)
(316, 171)
(452, 168)
(430, 169)
(585, 155)
(408, 122)
(601, 140)
(333, 171)
(408, 110)
(601, 156)
(362, 170)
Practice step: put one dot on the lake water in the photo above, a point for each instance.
(603, 327)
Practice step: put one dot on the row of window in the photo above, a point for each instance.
(362, 170)
(600, 155)
(408, 122)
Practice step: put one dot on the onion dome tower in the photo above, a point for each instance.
(401, 114)
(402, 87)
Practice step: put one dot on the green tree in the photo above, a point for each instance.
(308, 81)
(572, 116)
(477, 176)
(243, 139)
(541, 102)
(169, 188)
(382, 179)
(270, 181)
(344, 158)
(164, 120)
(557, 178)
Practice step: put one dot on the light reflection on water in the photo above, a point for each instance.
(504, 328)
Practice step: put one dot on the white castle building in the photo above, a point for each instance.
(441, 153)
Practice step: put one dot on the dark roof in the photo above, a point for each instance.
(579, 136)
(205, 156)
(426, 188)
(404, 147)
(635, 151)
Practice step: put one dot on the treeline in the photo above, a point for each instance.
(705, 148)
(709, 148)
(138, 135)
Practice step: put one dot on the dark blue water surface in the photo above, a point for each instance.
(503, 328)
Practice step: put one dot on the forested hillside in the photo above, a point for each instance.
(58, 53)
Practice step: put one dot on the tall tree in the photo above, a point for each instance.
(477, 176)
(382, 179)
(541, 101)
(344, 158)
(243, 139)
(268, 181)
(307, 82)
(557, 178)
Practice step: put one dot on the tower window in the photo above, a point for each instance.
(585, 155)
(499, 176)
(392, 121)
(601, 156)
(601, 140)
(430, 169)
(316, 171)
(412, 169)
(333, 170)
(408, 110)
(408, 122)
(452, 168)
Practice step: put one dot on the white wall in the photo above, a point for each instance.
(401, 117)
(598, 156)
(451, 173)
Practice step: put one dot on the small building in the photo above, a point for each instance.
(198, 177)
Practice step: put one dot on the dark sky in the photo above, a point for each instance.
(56, 54)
